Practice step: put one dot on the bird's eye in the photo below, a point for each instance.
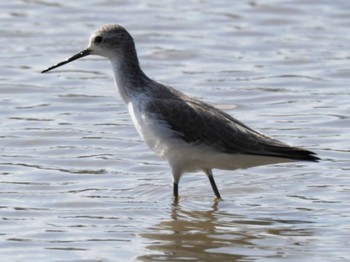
(98, 39)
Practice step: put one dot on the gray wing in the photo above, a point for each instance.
(197, 122)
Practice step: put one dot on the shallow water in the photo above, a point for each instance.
(78, 184)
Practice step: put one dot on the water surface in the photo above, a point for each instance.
(78, 184)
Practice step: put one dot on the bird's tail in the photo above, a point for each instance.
(296, 153)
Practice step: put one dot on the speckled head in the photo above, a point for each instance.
(110, 41)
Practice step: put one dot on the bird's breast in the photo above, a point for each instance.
(136, 118)
(153, 130)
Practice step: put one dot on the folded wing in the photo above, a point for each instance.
(200, 123)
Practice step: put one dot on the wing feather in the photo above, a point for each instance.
(198, 122)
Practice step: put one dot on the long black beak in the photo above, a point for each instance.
(68, 60)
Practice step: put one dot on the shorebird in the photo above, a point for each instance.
(190, 134)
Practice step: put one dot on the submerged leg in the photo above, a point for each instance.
(209, 174)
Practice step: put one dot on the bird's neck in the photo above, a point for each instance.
(128, 76)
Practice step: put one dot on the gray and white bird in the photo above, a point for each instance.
(190, 134)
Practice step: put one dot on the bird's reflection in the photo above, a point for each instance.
(209, 235)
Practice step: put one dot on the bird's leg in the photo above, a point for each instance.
(176, 179)
(209, 174)
(175, 190)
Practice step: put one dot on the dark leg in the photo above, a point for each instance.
(175, 190)
(213, 184)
